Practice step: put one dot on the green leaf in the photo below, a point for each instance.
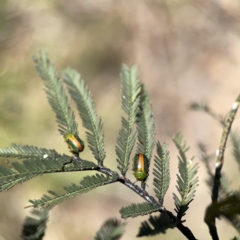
(138, 209)
(34, 227)
(87, 184)
(161, 171)
(28, 169)
(145, 126)
(206, 158)
(27, 152)
(156, 225)
(125, 142)
(83, 99)
(186, 179)
(112, 229)
(55, 94)
(130, 96)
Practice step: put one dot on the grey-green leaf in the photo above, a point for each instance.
(139, 209)
(145, 125)
(87, 184)
(161, 171)
(130, 96)
(85, 105)
(55, 94)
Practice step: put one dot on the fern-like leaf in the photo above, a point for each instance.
(83, 99)
(186, 179)
(145, 126)
(130, 96)
(112, 229)
(27, 152)
(87, 184)
(138, 209)
(34, 227)
(55, 94)
(235, 140)
(125, 143)
(28, 169)
(161, 171)
(156, 225)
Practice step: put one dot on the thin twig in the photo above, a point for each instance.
(219, 163)
(221, 150)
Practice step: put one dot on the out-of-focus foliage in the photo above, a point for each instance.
(34, 227)
(156, 224)
(228, 207)
(112, 229)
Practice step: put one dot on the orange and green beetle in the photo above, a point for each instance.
(75, 144)
(140, 167)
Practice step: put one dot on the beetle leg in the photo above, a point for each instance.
(143, 185)
(74, 158)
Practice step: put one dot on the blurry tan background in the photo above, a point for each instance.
(185, 50)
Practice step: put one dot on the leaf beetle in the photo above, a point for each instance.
(140, 167)
(75, 144)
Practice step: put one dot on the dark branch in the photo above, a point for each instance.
(221, 150)
(219, 163)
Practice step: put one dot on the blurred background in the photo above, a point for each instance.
(185, 51)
